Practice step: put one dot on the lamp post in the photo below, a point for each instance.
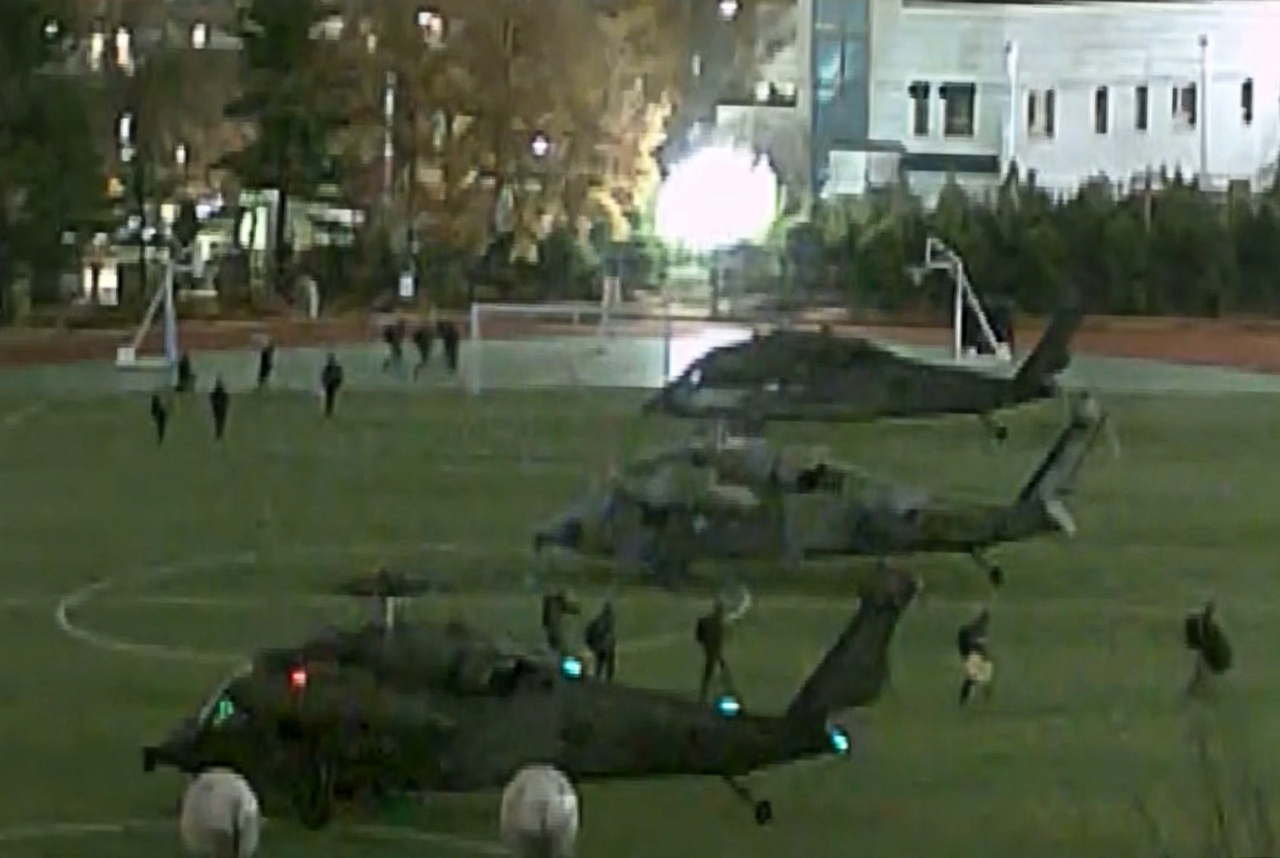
(1204, 111)
(388, 137)
(1011, 116)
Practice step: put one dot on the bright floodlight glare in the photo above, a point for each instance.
(717, 197)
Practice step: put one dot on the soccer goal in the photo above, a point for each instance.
(162, 310)
(570, 344)
(939, 257)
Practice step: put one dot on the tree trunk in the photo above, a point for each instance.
(280, 250)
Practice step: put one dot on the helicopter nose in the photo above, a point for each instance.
(566, 533)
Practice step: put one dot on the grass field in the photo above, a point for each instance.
(1087, 715)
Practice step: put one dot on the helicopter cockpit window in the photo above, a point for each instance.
(221, 711)
(225, 713)
(489, 673)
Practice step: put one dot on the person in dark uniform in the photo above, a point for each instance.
(1213, 654)
(220, 404)
(975, 658)
(186, 375)
(710, 634)
(423, 340)
(450, 340)
(159, 417)
(556, 605)
(602, 640)
(393, 334)
(266, 363)
(331, 382)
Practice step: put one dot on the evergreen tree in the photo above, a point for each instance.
(292, 96)
(51, 178)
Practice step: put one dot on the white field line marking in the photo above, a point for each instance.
(19, 415)
(65, 830)
(77, 599)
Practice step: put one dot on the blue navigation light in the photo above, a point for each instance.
(839, 739)
(728, 705)
(571, 667)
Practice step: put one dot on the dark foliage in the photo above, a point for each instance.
(289, 98)
(51, 181)
(1171, 250)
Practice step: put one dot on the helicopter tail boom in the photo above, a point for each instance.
(1051, 354)
(855, 670)
(1055, 477)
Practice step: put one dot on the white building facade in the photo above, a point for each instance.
(1070, 92)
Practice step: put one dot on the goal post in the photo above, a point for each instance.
(575, 344)
(966, 304)
(161, 309)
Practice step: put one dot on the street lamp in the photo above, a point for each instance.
(124, 50)
(540, 145)
(1202, 110)
(388, 135)
(728, 9)
(97, 50)
(125, 133)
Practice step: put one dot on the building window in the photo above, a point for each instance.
(1042, 105)
(1184, 106)
(959, 101)
(1246, 101)
(1101, 110)
(1141, 108)
(919, 92)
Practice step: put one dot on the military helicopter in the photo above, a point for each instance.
(394, 707)
(822, 376)
(798, 510)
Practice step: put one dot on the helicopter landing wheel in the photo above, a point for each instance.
(764, 812)
(314, 799)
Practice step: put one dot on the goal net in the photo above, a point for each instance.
(154, 345)
(520, 346)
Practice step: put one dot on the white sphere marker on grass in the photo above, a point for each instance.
(539, 816)
(220, 816)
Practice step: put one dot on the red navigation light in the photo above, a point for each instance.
(298, 677)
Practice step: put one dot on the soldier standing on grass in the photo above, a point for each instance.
(423, 340)
(556, 605)
(331, 382)
(450, 340)
(710, 634)
(220, 404)
(186, 375)
(159, 417)
(601, 639)
(975, 659)
(1213, 654)
(266, 362)
(394, 336)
